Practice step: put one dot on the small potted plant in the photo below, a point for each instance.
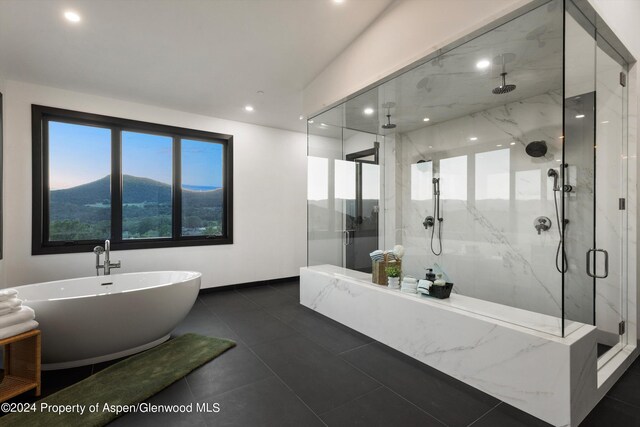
(393, 276)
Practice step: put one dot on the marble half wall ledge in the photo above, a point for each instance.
(547, 376)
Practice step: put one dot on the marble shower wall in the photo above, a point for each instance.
(492, 192)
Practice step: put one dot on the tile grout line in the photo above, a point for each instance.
(617, 399)
(269, 367)
(353, 400)
(355, 348)
(485, 414)
(193, 397)
(394, 392)
(287, 386)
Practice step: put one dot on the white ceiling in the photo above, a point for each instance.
(208, 57)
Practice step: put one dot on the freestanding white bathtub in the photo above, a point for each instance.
(95, 319)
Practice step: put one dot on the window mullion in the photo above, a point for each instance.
(177, 189)
(116, 184)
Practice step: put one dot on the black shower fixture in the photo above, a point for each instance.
(536, 148)
(504, 87)
(389, 106)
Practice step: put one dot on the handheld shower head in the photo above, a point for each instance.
(552, 173)
(436, 186)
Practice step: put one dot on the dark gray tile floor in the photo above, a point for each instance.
(294, 367)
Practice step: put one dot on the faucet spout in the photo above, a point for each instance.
(107, 265)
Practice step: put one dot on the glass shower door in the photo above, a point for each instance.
(594, 177)
(361, 214)
(609, 270)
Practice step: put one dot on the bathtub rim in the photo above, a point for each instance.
(196, 275)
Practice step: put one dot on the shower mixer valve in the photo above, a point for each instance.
(542, 223)
(429, 222)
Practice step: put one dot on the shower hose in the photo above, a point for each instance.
(561, 231)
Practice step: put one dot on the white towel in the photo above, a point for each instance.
(10, 331)
(10, 303)
(5, 294)
(9, 310)
(23, 315)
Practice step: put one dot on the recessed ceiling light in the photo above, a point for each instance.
(579, 116)
(483, 63)
(431, 146)
(72, 16)
(301, 117)
(248, 108)
(557, 160)
(473, 138)
(512, 143)
(426, 119)
(324, 125)
(498, 145)
(605, 122)
(338, 1)
(368, 111)
(310, 121)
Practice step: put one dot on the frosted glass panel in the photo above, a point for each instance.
(370, 181)
(345, 180)
(317, 178)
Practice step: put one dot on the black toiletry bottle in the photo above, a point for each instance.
(431, 276)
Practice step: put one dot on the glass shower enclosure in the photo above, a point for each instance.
(507, 168)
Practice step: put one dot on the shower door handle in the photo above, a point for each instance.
(606, 263)
(347, 237)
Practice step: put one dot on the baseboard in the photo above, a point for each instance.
(249, 284)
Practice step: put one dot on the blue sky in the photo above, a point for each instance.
(79, 154)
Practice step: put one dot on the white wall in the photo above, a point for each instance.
(269, 197)
(2, 272)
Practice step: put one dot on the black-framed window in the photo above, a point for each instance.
(141, 185)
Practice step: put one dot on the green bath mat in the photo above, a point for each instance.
(128, 382)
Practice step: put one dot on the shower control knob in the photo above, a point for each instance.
(429, 222)
(542, 223)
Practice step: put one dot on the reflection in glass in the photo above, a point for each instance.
(146, 185)
(421, 177)
(202, 188)
(528, 185)
(492, 175)
(453, 178)
(79, 182)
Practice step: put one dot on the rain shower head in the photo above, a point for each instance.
(389, 106)
(504, 87)
(388, 125)
(536, 148)
(503, 60)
